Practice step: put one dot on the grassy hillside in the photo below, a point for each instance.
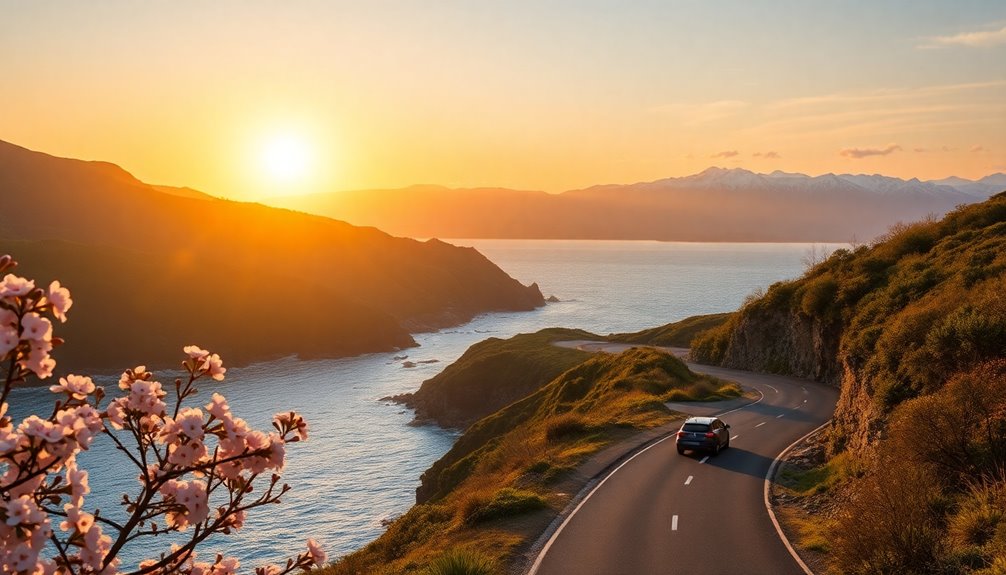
(677, 334)
(202, 269)
(496, 488)
(913, 328)
(493, 374)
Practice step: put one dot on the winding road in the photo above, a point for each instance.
(660, 513)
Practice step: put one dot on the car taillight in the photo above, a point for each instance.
(681, 434)
(710, 434)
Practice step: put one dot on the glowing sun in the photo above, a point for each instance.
(286, 158)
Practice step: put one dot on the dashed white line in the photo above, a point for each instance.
(772, 388)
(734, 437)
(780, 415)
(805, 401)
(674, 523)
(704, 459)
(689, 480)
(760, 424)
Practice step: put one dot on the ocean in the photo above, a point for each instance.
(363, 460)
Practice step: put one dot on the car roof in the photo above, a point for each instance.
(703, 420)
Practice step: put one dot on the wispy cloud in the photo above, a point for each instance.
(694, 114)
(979, 148)
(725, 154)
(767, 155)
(975, 39)
(858, 153)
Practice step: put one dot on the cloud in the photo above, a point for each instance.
(725, 154)
(976, 149)
(767, 155)
(858, 153)
(976, 39)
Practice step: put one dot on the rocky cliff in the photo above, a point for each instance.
(886, 322)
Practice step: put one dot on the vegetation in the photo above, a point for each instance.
(914, 329)
(493, 374)
(677, 334)
(498, 485)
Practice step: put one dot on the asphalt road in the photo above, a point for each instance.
(662, 513)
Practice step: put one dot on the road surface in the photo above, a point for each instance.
(662, 513)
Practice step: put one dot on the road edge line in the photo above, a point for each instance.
(768, 505)
(555, 535)
(533, 570)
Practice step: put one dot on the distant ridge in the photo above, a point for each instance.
(152, 269)
(717, 204)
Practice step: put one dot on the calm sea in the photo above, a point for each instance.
(363, 461)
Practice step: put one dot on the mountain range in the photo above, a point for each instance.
(154, 268)
(715, 205)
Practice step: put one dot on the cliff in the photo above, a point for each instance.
(153, 271)
(913, 330)
(886, 322)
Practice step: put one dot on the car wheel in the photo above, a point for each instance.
(716, 449)
(727, 444)
(681, 450)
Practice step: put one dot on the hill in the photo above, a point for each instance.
(501, 482)
(151, 271)
(913, 329)
(715, 205)
(497, 372)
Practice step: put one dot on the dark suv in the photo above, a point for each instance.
(703, 434)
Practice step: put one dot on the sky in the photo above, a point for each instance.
(248, 99)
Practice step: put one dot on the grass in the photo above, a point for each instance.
(462, 562)
(495, 489)
(677, 334)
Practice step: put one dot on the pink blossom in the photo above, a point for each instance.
(60, 299)
(77, 386)
(116, 412)
(15, 286)
(76, 479)
(195, 352)
(290, 421)
(35, 426)
(76, 519)
(36, 327)
(38, 360)
(225, 566)
(318, 555)
(187, 454)
(214, 367)
(96, 547)
(8, 339)
(20, 510)
(138, 373)
(218, 408)
(22, 557)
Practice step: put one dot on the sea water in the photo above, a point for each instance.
(363, 460)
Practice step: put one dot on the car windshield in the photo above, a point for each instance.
(695, 427)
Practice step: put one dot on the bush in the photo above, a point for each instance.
(562, 426)
(507, 502)
(461, 562)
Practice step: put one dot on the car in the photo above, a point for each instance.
(703, 434)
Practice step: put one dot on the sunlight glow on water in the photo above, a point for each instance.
(362, 462)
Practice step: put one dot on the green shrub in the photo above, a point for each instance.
(507, 502)
(563, 426)
(818, 296)
(461, 562)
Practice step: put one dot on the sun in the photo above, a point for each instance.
(286, 158)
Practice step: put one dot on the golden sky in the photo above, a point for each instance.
(522, 94)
